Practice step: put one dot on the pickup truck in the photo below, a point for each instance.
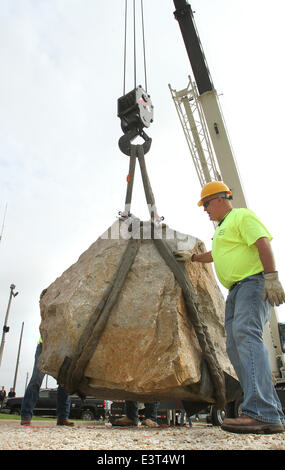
(88, 409)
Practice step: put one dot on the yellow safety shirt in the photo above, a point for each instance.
(234, 252)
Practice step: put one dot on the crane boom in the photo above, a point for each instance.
(209, 101)
(219, 162)
(185, 18)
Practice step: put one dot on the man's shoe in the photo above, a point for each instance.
(149, 423)
(26, 422)
(245, 424)
(65, 422)
(125, 421)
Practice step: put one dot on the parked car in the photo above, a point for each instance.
(88, 409)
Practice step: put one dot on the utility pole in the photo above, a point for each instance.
(18, 357)
(5, 327)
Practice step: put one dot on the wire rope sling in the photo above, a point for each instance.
(135, 110)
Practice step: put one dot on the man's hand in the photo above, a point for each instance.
(273, 290)
(183, 255)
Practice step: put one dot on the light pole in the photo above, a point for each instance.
(18, 357)
(5, 327)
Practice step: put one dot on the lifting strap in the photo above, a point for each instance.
(71, 375)
(136, 112)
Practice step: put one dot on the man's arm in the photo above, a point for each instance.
(273, 290)
(203, 257)
(184, 255)
(266, 254)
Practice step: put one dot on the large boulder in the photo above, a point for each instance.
(148, 349)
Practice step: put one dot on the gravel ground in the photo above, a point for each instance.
(85, 436)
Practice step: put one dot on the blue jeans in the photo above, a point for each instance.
(182, 418)
(132, 409)
(32, 394)
(245, 318)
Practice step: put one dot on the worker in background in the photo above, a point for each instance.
(132, 415)
(32, 394)
(2, 396)
(183, 413)
(108, 404)
(11, 393)
(244, 264)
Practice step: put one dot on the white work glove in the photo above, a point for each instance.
(273, 290)
(183, 255)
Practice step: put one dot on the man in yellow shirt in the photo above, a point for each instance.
(244, 264)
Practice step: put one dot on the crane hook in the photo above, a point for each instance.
(135, 110)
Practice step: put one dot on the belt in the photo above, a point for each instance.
(245, 279)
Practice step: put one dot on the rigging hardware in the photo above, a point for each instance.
(135, 108)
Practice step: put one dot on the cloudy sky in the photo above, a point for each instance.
(62, 175)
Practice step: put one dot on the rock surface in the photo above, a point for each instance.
(148, 347)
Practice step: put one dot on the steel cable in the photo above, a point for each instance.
(134, 45)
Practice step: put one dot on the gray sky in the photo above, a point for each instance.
(62, 174)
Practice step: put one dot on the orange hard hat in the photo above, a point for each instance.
(214, 187)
